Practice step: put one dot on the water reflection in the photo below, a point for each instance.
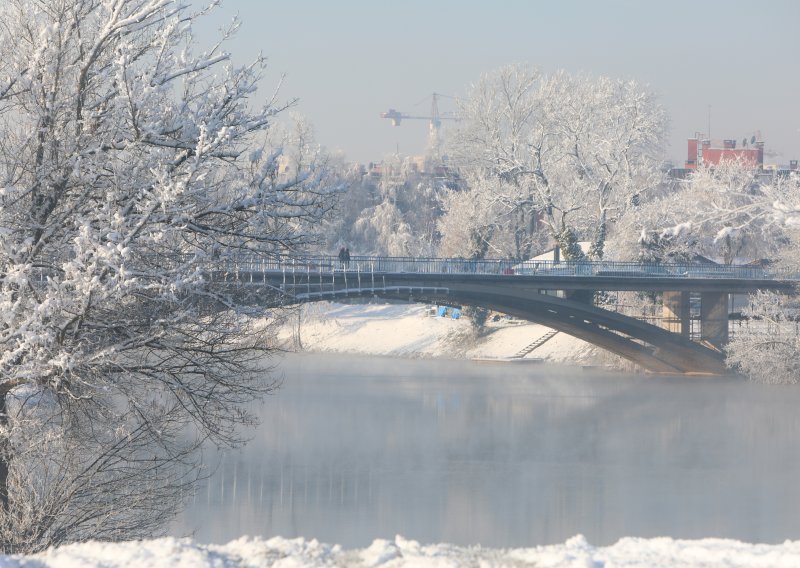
(352, 449)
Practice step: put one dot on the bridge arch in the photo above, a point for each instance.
(517, 290)
(651, 347)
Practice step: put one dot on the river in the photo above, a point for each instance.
(354, 448)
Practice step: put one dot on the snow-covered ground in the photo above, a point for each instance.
(404, 330)
(280, 552)
(409, 331)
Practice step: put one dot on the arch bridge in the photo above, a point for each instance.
(556, 294)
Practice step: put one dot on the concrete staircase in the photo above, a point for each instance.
(538, 343)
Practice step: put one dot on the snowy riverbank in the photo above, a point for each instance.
(403, 330)
(280, 552)
(398, 330)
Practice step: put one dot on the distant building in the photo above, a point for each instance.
(423, 166)
(714, 152)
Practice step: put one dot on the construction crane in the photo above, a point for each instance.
(435, 119)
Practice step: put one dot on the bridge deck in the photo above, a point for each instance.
(519, 289)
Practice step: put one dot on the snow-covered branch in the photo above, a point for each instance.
(561, 153)
(126, 163)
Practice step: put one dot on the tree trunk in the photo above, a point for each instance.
(599, 244)
(4, 453)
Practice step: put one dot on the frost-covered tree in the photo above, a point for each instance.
(568, 153)
(730, 213)
(383, 229)
(358, 195)
(423, 209)
(391, 210)
(473, 226)
(129, 164)
(468, 225)
(767, 350)
(723, 212)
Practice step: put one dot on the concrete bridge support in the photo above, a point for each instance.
(714, 318)
(676, 313)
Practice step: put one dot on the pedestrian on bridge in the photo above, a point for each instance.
(347, 258)
(342, 256)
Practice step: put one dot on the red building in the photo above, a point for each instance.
(713, 152)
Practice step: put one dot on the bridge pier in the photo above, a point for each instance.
(714, 318)
(675, 314)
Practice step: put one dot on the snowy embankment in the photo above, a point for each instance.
(409, 331)
(282, 552)
(403, 330)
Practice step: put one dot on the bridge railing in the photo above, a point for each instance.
(611, 269)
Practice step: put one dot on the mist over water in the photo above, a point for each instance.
(351, 449)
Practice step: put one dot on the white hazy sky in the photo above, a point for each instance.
(349, 60)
